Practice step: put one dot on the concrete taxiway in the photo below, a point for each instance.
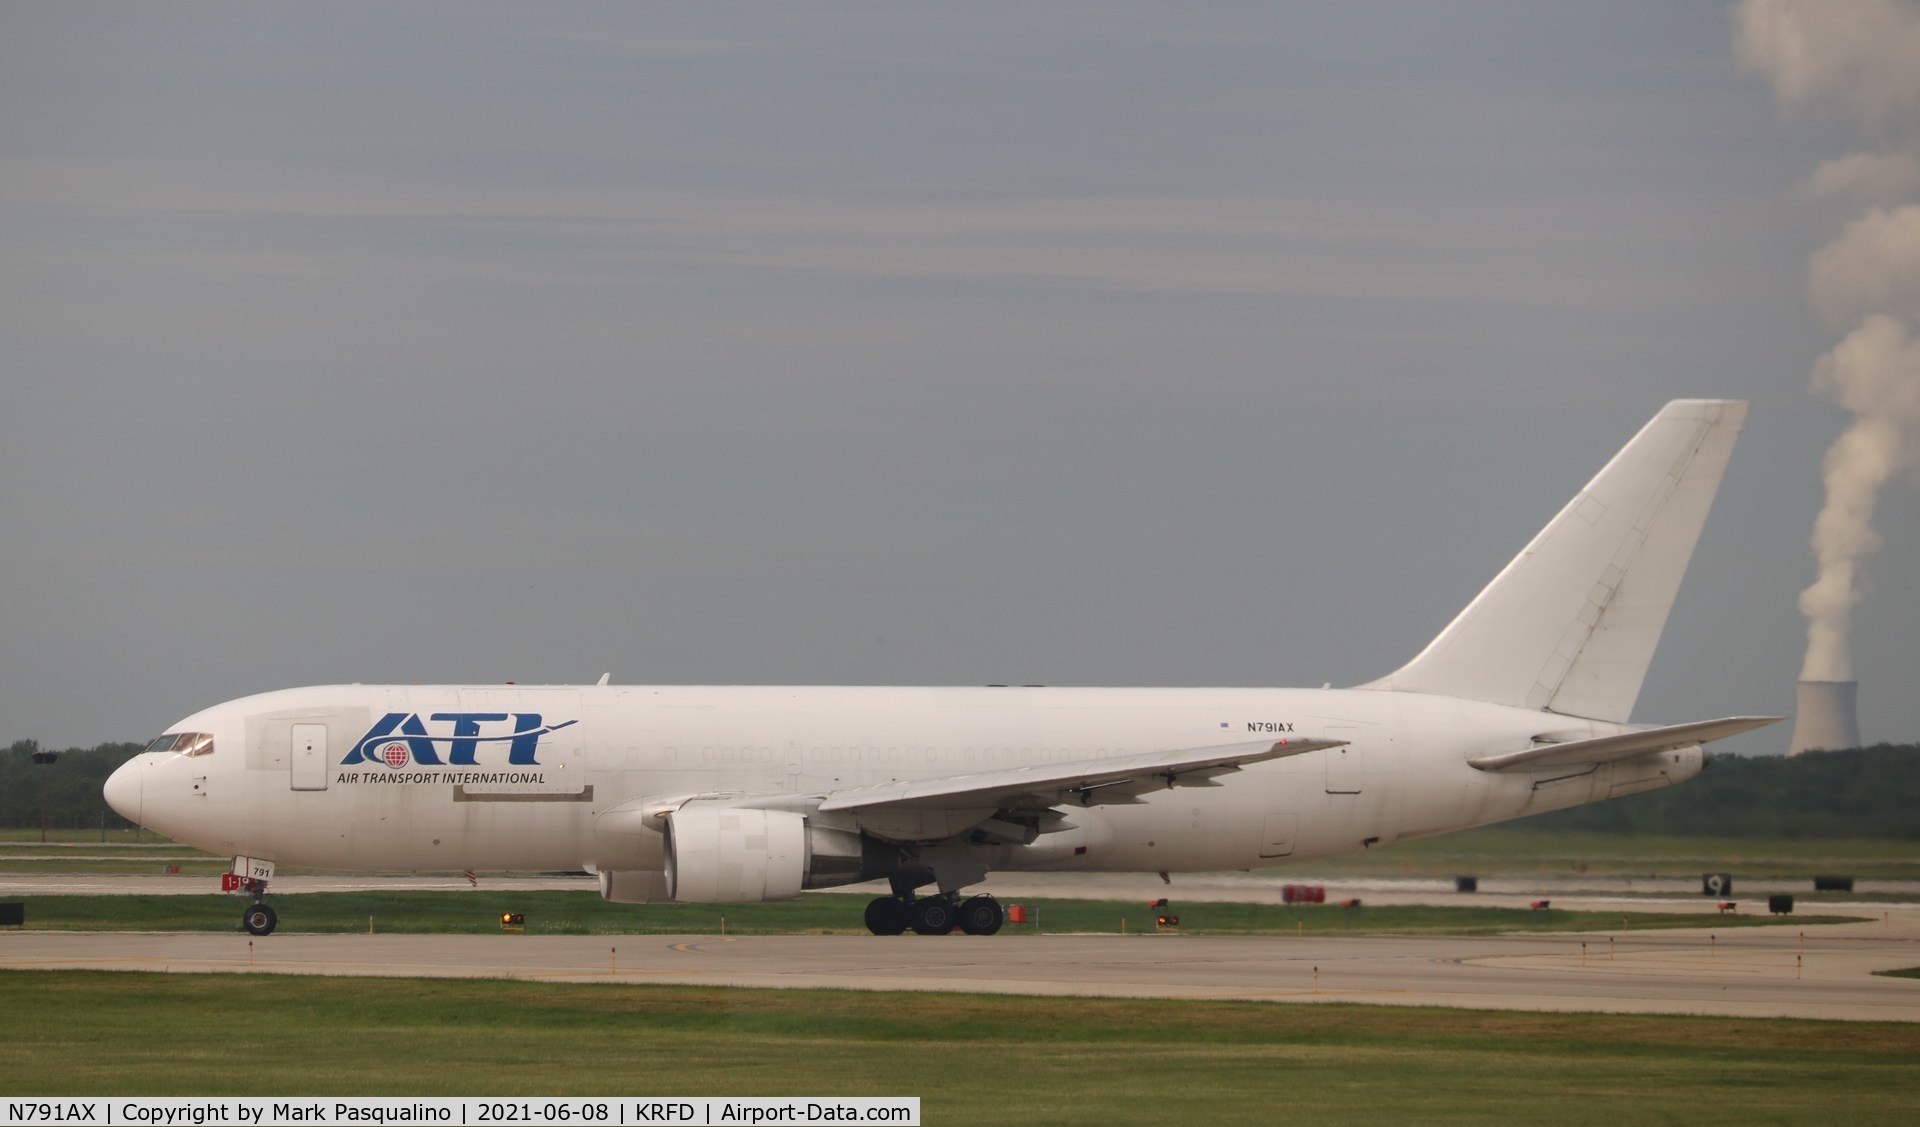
(1790, 970)
(1763, 972)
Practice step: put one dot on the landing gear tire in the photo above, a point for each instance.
(259, 919)
(888, 915)
(981, 915)
(933, 915)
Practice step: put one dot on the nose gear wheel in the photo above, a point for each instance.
(259, 919)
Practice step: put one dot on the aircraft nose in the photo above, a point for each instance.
(123, 787)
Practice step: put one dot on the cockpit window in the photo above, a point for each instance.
(186, 743)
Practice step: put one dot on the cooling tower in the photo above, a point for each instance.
(1825, 719)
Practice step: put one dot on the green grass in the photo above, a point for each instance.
(971, 1059)
(583, 913)
(94, 835)
(1904, 972)
(1497, 851)
(118, 866)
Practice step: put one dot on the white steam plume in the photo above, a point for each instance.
(1872, 267)
(1861, 59)
(1855, 56)
(1867, 179)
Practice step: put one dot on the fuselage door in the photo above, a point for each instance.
(1278, 841)
(1344, 764)
(309, 759)
(796, 763)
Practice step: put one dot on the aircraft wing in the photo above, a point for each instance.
(1085, 782)
(1606, 749)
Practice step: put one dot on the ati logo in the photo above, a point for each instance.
(401, 738)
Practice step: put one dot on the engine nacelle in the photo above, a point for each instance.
(732, 854)
(626, 839)
(633, 886)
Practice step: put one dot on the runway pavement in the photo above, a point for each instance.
(1767, 972)
(1785, 971)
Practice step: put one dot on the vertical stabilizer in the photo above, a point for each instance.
(1571, 624)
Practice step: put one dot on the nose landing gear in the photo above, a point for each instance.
(259, 918)
(249, 878)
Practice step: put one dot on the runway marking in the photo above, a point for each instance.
(1244, 995)
(1689, 964)
(108, 959)
(591, 975)
(696, 947)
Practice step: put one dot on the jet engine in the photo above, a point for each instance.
(732, 854)
(633, 886)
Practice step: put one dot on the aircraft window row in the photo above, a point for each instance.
(939, 755)
(935, 755)
(186, 743)
(737, 754)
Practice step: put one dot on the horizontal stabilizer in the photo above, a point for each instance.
(1083, 780)
(1606, 749)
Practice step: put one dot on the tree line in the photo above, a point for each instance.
(1869, 792)
(72, 783)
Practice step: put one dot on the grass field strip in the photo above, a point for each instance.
(1756, 973)
(971, 1058)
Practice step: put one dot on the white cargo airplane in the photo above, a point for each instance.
(727, 794)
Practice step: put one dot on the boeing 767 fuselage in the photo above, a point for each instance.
(729, 793)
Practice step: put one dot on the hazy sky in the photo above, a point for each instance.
(1075, 343)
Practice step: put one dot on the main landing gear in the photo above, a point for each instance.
(934, 915)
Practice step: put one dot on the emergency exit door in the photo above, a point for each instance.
(309, 758)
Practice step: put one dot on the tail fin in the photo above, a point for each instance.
(1570, 625)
